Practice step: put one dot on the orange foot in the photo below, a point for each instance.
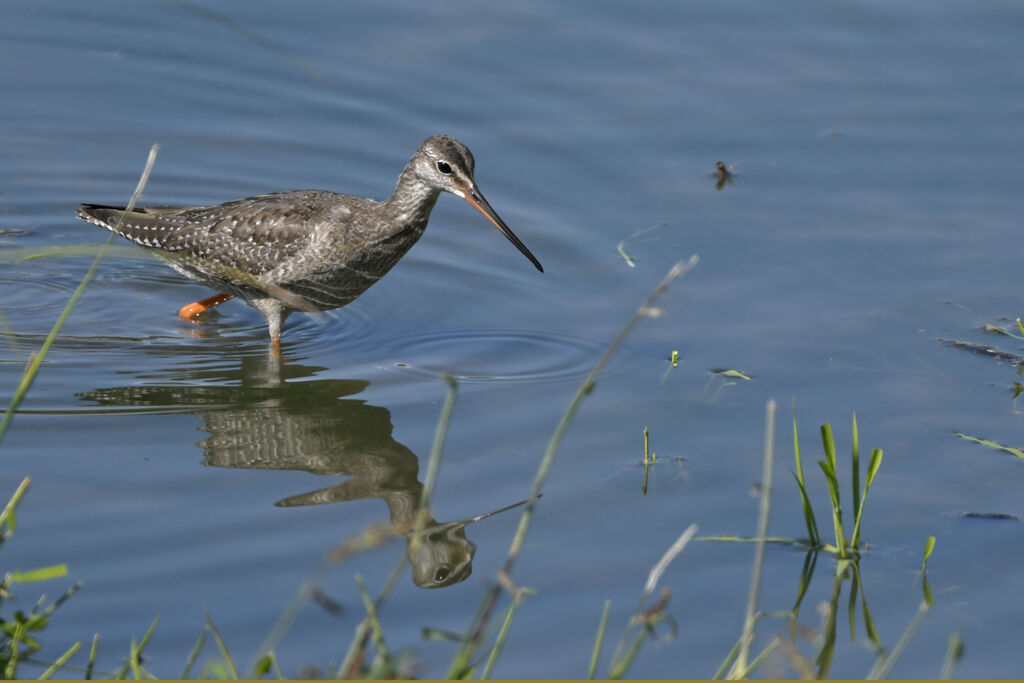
(192, 311)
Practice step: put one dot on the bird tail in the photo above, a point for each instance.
(103, 215)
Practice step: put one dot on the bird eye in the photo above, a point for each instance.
(443, 167)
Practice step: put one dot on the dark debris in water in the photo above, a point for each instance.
(998, 516)
(984, 350)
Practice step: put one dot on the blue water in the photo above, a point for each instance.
(874, 209)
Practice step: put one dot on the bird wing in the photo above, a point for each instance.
(265, 242)
(253, 235)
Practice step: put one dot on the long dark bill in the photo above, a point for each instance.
(477, 201)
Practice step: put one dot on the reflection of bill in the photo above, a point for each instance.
(267, 423)
(443, 555)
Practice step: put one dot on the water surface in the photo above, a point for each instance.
(874, 209)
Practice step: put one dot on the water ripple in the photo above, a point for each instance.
(474, 355)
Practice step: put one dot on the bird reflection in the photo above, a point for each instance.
(256, 420)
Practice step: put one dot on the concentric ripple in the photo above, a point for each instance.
(495, 355)
(31, 294)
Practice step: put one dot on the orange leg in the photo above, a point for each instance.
(192, 311)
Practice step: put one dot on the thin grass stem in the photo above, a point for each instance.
(228, 661)
(133, 658)
(729, 659)
(769, 648)
(653, 577)
(764, 514)
(855, 452)
(33, 367)
(8, 517)
(885, 663)
(371, 614)
(954, 650)
(620, 668)
(363, 631)
(499, 643)
(434, 462)
(52, 669)
(91, 665)
(598, 641)
(465, 652)
(194, 654)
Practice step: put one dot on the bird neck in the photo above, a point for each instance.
(412, 202)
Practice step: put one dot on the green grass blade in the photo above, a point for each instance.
(828, 466)
(874, 464)
(927, 589)
(855, 451)
(137, 669)
(752, 539)
(499, 643)
(41, 574)
(52, 669)
(263, 665)
(929, 546)
(624, 255)
(228, 661)
(851, 610)
(806, 574)
(8, 518)
(769, 648)
(828, 647)
(1015, 452)
(194, 654)
(277, 667)
(133, 659)
(598, 641)
(383, 654)
(14, 645)
(149, 633)
(833, 492)
(348, 667)
(829, 444)
(727, 662)
(92, 656)
(619, 670)
(869, 623)
(33, 367)
(812, 523)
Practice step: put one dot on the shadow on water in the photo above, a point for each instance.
(258, 420)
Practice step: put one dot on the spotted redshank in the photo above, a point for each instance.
(302, 250)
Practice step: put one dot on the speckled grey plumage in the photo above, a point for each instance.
(303, 250)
